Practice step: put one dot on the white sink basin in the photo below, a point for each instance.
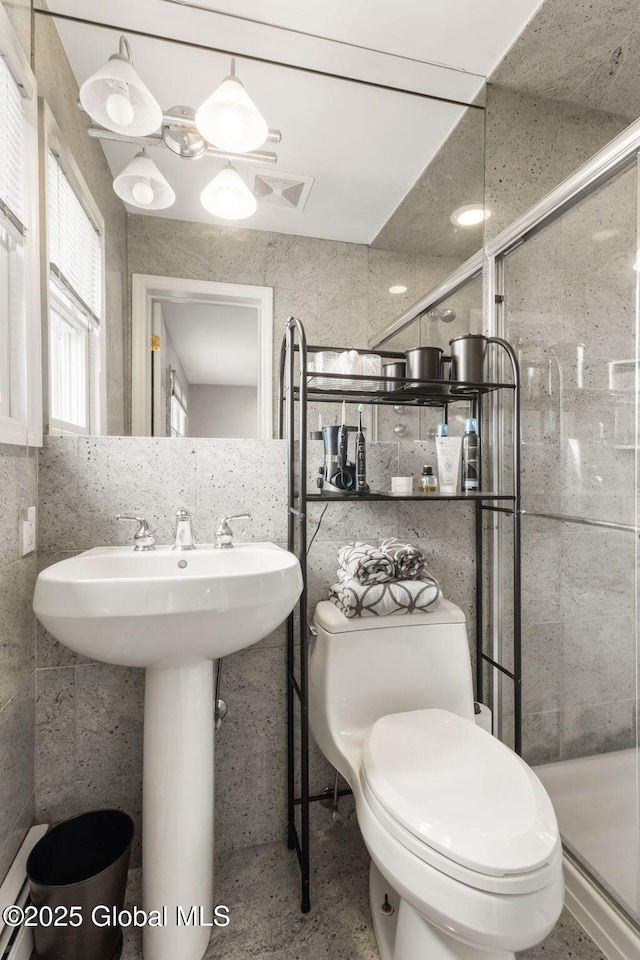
(167, 607)
(172, 612)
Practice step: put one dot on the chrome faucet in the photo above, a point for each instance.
(224, 533)
(183, 533)
(143, 538)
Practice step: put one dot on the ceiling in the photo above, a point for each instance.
(365, 147)
(216, 343)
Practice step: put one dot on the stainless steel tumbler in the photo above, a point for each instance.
(424, 363)
(467, 357)
(395, 369)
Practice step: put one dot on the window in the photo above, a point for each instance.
(20, 371)
(74, 312)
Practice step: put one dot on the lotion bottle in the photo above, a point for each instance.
(448, 450)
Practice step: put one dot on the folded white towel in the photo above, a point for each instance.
(365, 564)
(383, 599)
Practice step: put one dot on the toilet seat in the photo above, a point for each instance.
(433, 779)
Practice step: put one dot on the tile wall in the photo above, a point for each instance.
(18, 468)
(89, 715)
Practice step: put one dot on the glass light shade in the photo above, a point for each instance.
(118, 81)
(136, 181)
(228, 196)
(230, 120)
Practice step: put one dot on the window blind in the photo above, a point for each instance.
(12, 167)
(75, 251)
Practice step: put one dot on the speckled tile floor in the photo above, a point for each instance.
(260, 887)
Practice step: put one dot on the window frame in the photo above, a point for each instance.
(25, 428)
(51, 139)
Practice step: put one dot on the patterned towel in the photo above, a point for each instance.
(365, 564)
(384, 599)
(408, 561)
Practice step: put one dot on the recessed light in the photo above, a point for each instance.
(399, 288)
(470, 215)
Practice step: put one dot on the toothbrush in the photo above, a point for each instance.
(342, 445)
(362, 486)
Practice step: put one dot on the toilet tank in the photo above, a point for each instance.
(364, 668)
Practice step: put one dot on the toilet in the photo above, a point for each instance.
(466, 859)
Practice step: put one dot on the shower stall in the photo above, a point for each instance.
(562, 287)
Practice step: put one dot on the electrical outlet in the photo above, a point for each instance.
(28, 530)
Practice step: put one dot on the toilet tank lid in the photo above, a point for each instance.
(333, 620)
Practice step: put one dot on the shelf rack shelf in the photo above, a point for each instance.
(299, 386)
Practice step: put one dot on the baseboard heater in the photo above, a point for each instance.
(16, 943)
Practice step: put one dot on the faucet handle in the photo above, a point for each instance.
(143, 538)
(224, 533)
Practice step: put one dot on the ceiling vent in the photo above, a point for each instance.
(285, 190)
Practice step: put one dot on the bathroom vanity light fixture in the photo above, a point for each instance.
(115, 97)
(227, 196)
(141, 184)
(398, 288)
(228, 125)
(229, 119)
(470, 215)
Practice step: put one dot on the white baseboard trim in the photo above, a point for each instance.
(611, 932)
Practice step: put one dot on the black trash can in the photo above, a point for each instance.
(81, 863)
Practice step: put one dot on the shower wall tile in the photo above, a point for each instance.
(532, 144)
(541, 737)
(591, 586)
(599, 659)
(541, 570)
(598, 728)
(543, 664)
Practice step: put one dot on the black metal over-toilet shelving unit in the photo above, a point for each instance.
(299, 386)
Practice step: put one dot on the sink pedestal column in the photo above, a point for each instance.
(177, 817)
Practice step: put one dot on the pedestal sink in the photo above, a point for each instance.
(173, 613)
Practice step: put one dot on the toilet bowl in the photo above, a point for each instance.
(466, 860)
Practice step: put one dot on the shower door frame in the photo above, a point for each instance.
(613, 925)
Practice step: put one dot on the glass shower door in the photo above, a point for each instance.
(570, 311)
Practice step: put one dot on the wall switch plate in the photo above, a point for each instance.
(28, 530)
